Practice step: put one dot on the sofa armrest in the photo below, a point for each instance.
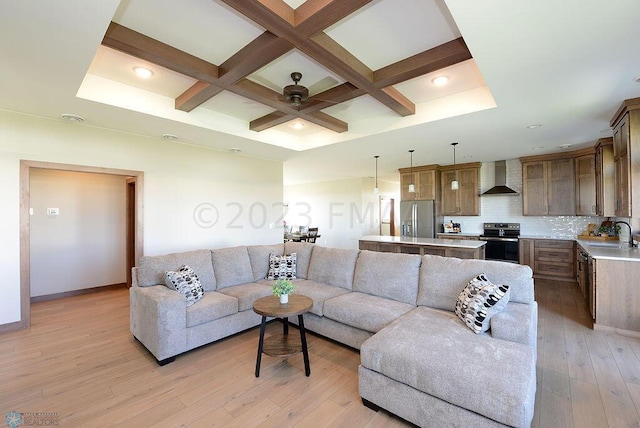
(518, 322)
(158, 319)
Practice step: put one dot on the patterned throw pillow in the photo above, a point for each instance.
(282, 267)
(185, 281)
(479, 301)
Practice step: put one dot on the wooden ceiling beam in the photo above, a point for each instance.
(324, 120)
(144, 47)
(321, 47)
(434, 59)
(313, 16)
(270, 120)
(259, 52)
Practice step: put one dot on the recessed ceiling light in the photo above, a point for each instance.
(537, 148)
(440, 80)
(297, 125)
(537, 125)
(143, 72)
(72, 117)
(235, 150)
(564, 146)
(170, 137)
(637, 79)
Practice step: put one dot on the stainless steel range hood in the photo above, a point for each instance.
(500, 187)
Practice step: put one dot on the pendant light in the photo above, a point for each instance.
(412, 187)
(376, 190)
(454, 183)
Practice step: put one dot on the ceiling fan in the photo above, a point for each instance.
(295, 94)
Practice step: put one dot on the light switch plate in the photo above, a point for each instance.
(53, 211)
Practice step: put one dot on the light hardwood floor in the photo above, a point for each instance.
(80, 361)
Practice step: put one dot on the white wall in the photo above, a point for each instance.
(193, 197)
(85, 245)
(343, 210)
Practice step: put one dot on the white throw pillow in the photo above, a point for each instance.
(186, 282)
(479, 301)
(282, 267)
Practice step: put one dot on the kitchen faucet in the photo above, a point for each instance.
(631, 244)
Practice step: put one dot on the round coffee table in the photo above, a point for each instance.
(281, 345)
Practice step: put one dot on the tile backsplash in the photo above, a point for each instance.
(508, 209)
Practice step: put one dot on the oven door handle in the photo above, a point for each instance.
(492, 238)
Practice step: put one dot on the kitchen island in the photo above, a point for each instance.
(464, 249)
(608, 277)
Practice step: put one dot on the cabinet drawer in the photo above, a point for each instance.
(557, 269)
(558, 255)
(553, 243)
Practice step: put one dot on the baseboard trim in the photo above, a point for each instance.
(71, 293)
(13, 326)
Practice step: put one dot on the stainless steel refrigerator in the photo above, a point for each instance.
(418, 219)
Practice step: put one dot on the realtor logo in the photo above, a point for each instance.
(13, 419)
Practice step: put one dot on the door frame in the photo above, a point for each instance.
(25, 219)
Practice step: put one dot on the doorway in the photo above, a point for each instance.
(134, 222)
(387, 217)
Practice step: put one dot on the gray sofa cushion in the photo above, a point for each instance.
(232, 266)
(443, 278)
(364, 311)
(434, 352)
(247, 294)
(151, 269)
(259, 258)
(212, 306)
(333, 266)
(303, 252)
(394, 276)
(318, 292)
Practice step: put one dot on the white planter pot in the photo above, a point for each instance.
(284, 298)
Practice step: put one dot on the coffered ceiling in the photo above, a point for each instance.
(219, 67)
(367, 65)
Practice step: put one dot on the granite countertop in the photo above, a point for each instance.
(610, 251)
(434, 242)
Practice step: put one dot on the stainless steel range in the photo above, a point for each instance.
(502, 242)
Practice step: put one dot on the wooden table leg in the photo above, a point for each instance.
(260, 344)
(305, 352)
(285, 325)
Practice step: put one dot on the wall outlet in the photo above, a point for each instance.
(53, 211)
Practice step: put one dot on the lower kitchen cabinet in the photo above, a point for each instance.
(617, 296)
(549, 258)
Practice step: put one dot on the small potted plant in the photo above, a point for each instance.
(282, 288)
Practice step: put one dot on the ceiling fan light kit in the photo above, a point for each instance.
(296, 94)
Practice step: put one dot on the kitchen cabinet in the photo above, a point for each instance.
(616, 300)
(465, 200)
(422, 246)
(626, 156)
(586, 184)
(549, 258)
(605, 178)
(425, 180)
(548, 186)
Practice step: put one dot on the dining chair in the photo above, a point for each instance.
(312, 234)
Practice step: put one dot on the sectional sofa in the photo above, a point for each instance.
(418, 358)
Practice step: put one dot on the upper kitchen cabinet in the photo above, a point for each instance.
(605, 178)
(425, 181)
(585, 165)
(626, 156)
(548, 185)
(465, 200)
